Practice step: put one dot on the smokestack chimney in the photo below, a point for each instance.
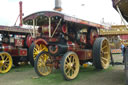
(58, 5)
(21, 14)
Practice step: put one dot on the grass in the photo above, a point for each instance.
(21, 68)
(25, 75)
(56, 78)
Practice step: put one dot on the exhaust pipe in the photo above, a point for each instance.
(58, 5)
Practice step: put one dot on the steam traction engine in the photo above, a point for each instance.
(66, 42)
(14, 43)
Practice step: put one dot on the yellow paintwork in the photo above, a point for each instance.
(5, 62)
(38, 49)
(114, 30)
(71, 66)
(85, 65)
(44, 66)
(105, 54)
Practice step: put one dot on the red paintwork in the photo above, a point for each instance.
(29, 40)
(73, 46)
(64, 29)
(93, 37)
(22, 52)
(20, 3)
(53, 39)
(84, 54)
(53, 52)
(56, 64)
(19, 42)
(40, 40)
(5, 47)
(70, 45)
(83, 38)
(14, 52)
(124, 37)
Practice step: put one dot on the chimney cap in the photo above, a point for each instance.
(58, 9)
(58, 5)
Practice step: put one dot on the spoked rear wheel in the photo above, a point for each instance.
(43, 64)
(101, 53)
(70, 65)
(5, 62)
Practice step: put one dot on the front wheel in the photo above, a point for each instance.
(43, 64)
(5, 62)
(70, 65)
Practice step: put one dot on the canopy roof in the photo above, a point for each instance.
(123, 6)
(15, 29)
(35, 16)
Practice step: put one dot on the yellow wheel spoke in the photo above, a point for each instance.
(5, 66)
(73, 61)
(104, 47)
(37, 46)
(43, 69)
(103, 63)
(48, 68)
(73, 71)
(2, 56)
(106, 52)
(68, 72)
(7, 59)
(66, 66)
(104, 59)
(39, 65)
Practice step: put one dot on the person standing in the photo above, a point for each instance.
(123, 51)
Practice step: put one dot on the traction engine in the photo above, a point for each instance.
(66, 42)
(14, 44)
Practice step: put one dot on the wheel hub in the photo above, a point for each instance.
(43, 64)
(70, 65)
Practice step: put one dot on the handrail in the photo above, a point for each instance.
(56, 27)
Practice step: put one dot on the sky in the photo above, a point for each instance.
(90, 10)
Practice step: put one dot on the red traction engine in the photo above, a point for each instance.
(14, 43)
(66, 42)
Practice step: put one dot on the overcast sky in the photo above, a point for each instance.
(92, 10)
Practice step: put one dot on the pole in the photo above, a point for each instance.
(20, 3)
